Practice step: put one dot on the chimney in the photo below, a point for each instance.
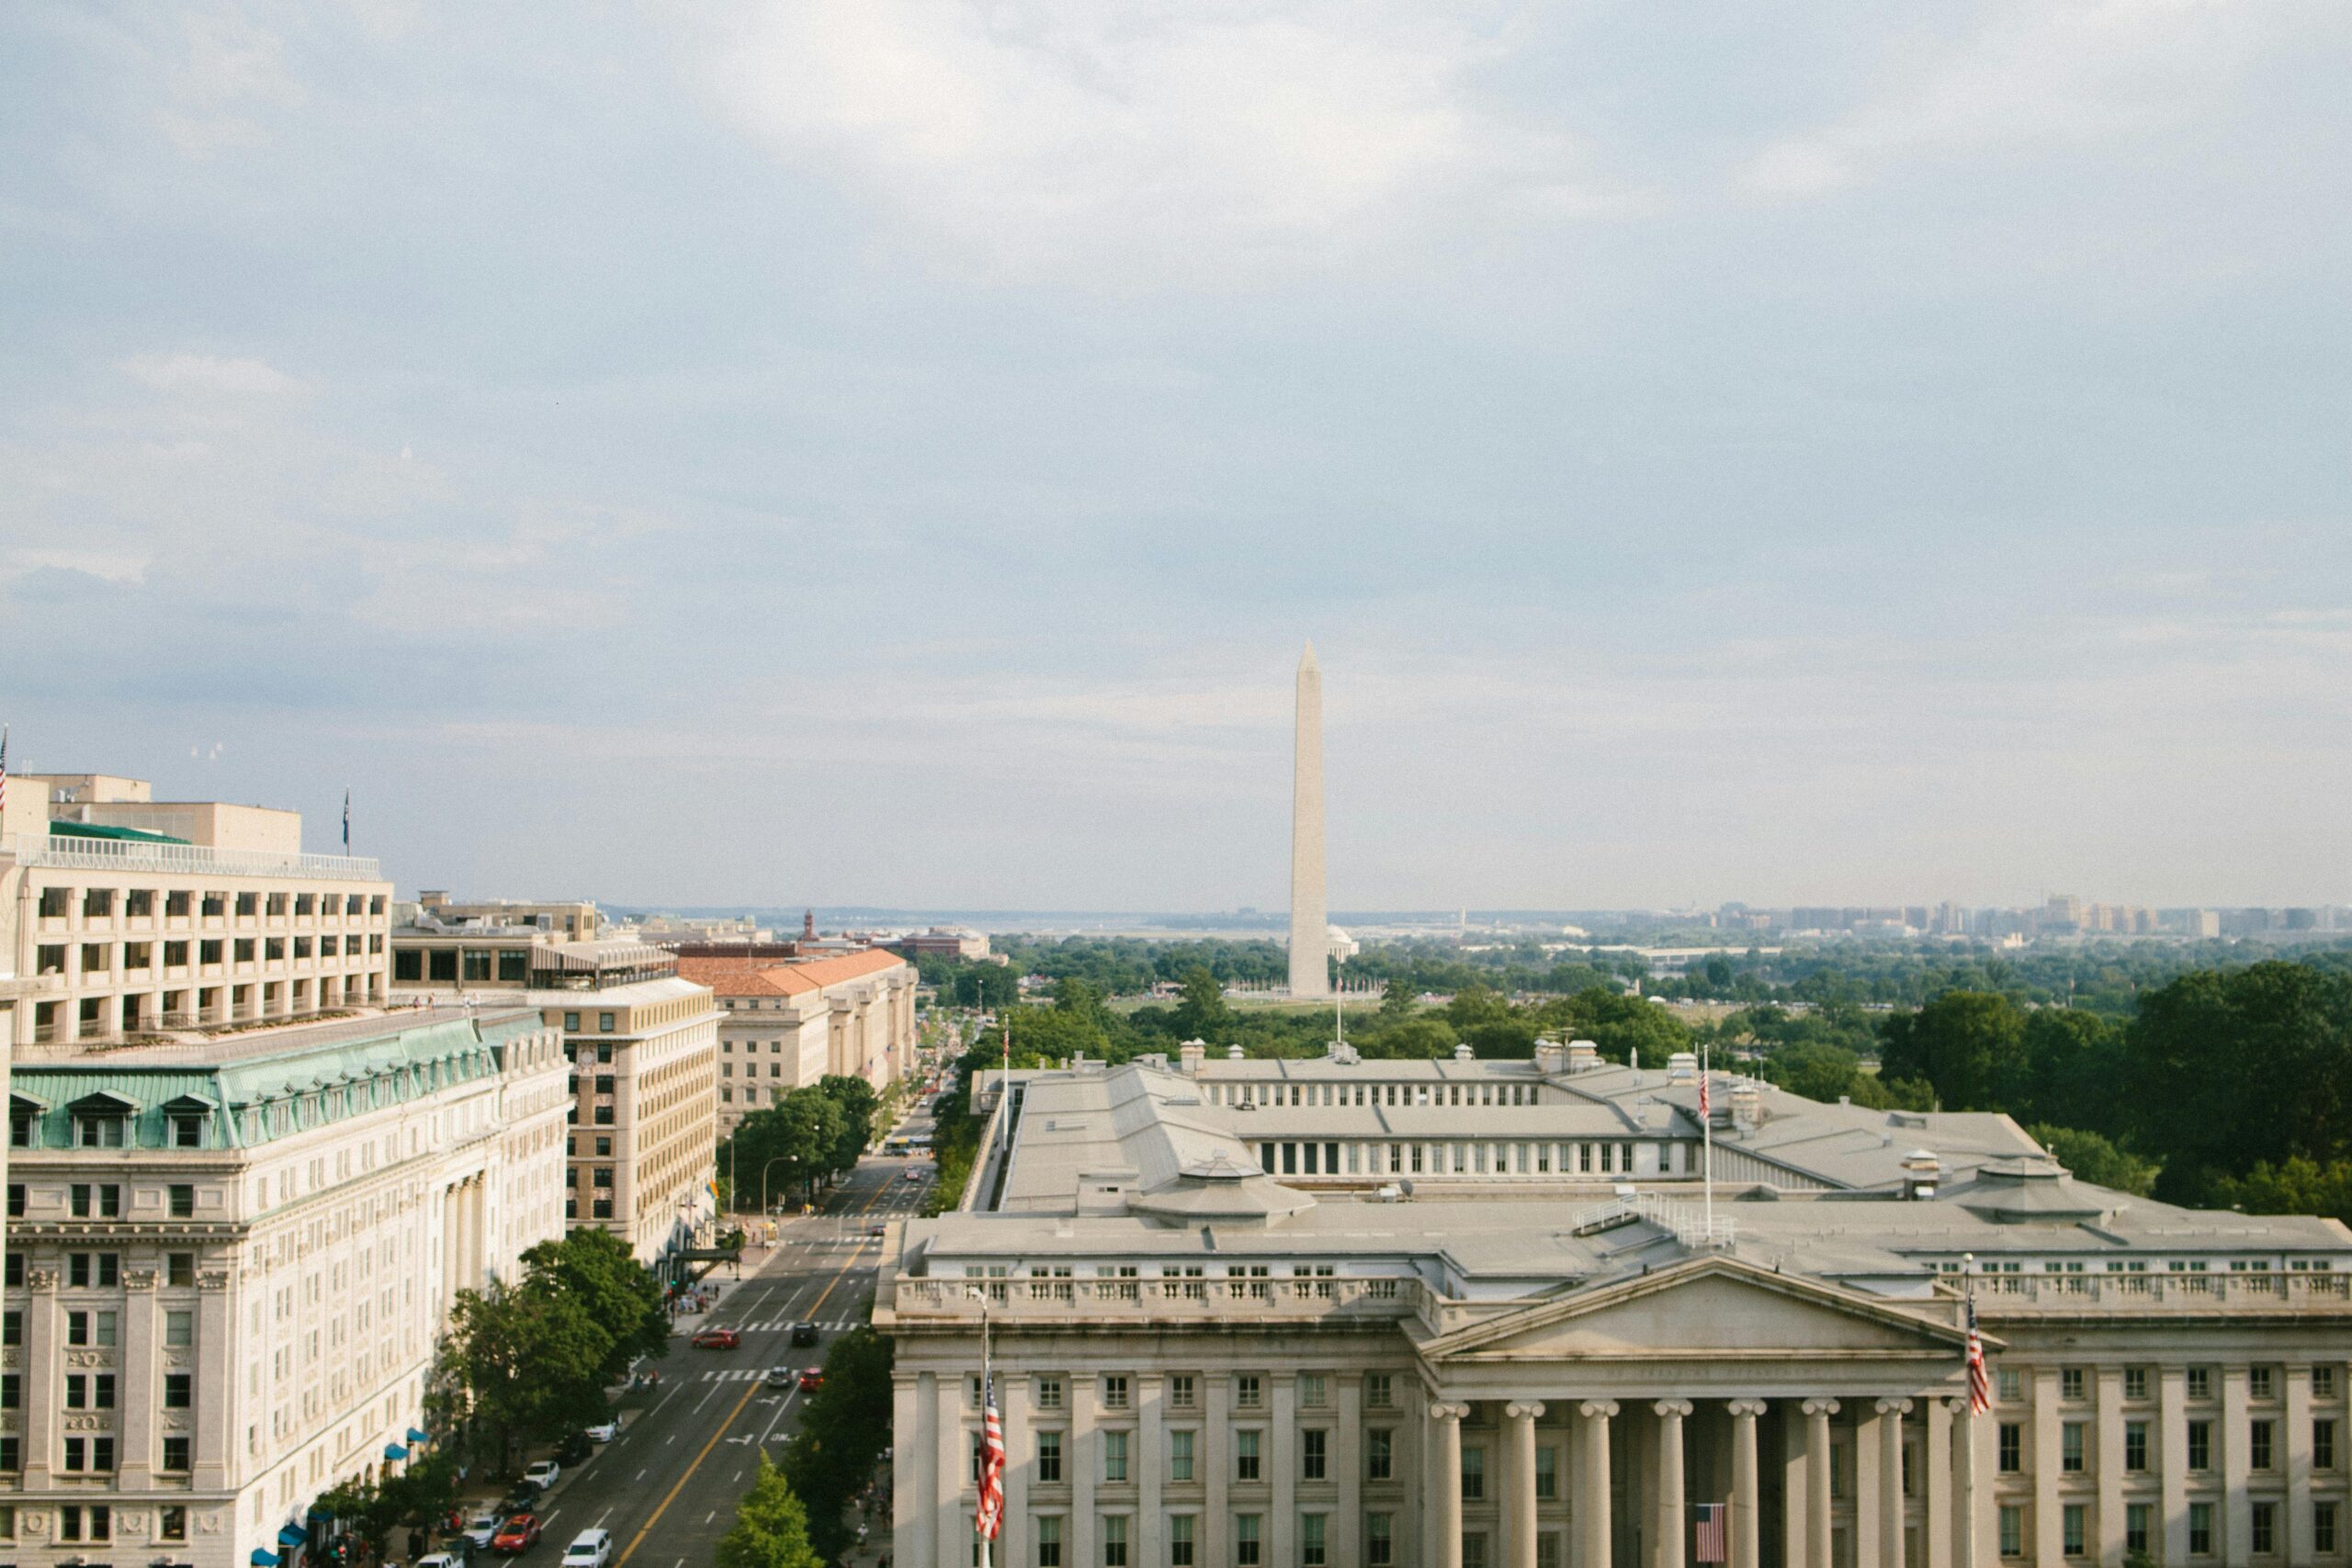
(1551, 1058)
(1682, 1068)
(1583, 1055)
(1233, 1052)
(1463, 1053)
(1747, 1105)
(431, 898)
(1922, 1172)
(1190, 1055)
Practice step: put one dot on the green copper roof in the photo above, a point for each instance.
(99, 830)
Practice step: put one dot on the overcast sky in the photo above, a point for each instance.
(892, 453)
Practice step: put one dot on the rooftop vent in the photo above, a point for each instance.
(1682, 1068)
(1191, 1055)
(1233, 1052)
(1551, 1057)
(1583, 1055)
(1463, 1053)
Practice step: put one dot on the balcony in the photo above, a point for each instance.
(1153, 1300)
(2030, 1295)
(122, 854)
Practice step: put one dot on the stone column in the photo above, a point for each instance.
(2298, 1445)
(1667, 1552)
(2172, 1459)
(1083, 1463)
(1215, 1465)
(1592, 1507)
(1964, 1485)
(1518, 1481)
(1817, 1413)
(2107, 1542)
(952, 1503)
(2237, 1514)
(1445, 1484)
(1935, 1490)
(1890, 1413)
(1347, 1459)
(912, 1510)
(1149, 1463)
(1746, 1493)
(1280, 1451)
(2047, 1517)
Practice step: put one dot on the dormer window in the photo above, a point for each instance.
(102, 1120)
(23, 1122)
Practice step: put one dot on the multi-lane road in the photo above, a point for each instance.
(667, 1485)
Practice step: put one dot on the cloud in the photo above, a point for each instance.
(233, 68)
(210, 373)
(1131, 147)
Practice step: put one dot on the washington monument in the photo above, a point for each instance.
(1310, 944)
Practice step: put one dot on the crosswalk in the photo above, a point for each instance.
(736, 1374)
(831, 1325)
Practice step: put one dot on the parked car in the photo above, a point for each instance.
(812, 1378)
(521, 1498)
(716, 1339)
(518, 1534)
(480, 1528)
(804, 1333)
(542, 1475)
(780, 1377)
(589, 1548)
(441, 1560)
(574, 1449)
(603, 1432)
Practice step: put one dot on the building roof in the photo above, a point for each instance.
(770, 977)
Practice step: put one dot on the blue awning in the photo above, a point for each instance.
(292, 1535)
(416, 1436)
(264, 1558)
(394, 1451)
(319, 1511)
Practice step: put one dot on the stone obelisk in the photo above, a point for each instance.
(1310, 946)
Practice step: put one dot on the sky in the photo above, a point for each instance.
(892, 453)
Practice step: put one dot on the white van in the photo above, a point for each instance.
(589, 1548)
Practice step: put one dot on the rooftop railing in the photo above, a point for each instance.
(1156, 1300)
(2250, 1292)
(1689, 1222)
(133, 855)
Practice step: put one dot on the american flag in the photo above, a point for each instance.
(1703, 1103)
(991, 1515)
(1711, 1540)
(1980, 1382)
(3, 767)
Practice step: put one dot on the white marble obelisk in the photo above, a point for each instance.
(1310, 943)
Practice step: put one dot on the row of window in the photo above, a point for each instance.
(97, 1328)
(94, 1522)
(99, 958)
(1113, 1391)
(2139, 1518)
(1336, 1158)
(1251, 1540)
(1310, 1094)
(1249, 1457)
(505, 966)
(2262, 1383)
(2261, 1445)
(139, 903)
(90, 1456)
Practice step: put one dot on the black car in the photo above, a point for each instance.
(575, 1449)
(804, 1334)
(521, 1499)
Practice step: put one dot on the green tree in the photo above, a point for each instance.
(2096, 1160)
(2295, 1186)
(1203, 1015)
(1475, 1006)
(842, 1430)
(2237, 1068)
(1413, 1039)
(530, 1364)
(2073, 1068)
(1969, 1046)
(857, 1102)
(1618, 1023)
(1398, 1001)
(595, 1269)
(771, 1529)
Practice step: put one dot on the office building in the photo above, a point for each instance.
(566, 919)
(643, 1043)
(1469, 1314)
(782, 1025)
(143, 917)
(230, 1260)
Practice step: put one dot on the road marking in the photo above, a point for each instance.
(710, 1515)
(655, 1517)
(640, 1475)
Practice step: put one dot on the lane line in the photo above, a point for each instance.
(748, 1391)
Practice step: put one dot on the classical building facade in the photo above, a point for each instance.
(1499, 1316)
(643, 1042)
(229, 1259)
(140, 917)
(785, 1024)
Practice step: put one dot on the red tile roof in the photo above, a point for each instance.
(788, 978)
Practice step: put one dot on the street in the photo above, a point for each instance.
(667, 1485)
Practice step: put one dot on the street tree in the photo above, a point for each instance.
(771, 1528)
(595, 1269)
(530, 1365)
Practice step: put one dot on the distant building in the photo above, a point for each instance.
(785, 1025)
(643, 1041)
(571, 919)
(939, 942)
(672, 931)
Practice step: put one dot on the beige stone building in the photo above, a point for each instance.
(1470, 1314)
(643, 1042)
(229, 1259)
(136, 916)
(782, 1025)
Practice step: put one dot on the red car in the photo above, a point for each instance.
(517, 1534)
(716, 1339)
(812, 1379)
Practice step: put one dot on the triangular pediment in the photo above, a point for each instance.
(1708, 1308)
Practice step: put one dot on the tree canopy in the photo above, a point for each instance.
(771, 1528)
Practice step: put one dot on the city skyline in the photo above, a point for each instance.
(1819, 461)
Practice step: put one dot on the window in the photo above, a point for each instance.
(182, 1200)
(1049, 1540)
(1115, 1456)
(170, 1523)
(1180, 1540)
(1379, 1391)
(2011, 1447)
(2069, 1448)
(2012, 1519)
(2258, 1445)
(2200, 1529)
(2201, 1386)
(1313, 1454)
(2324, 1443)
(1049, 1459)
(2265, 1521)
(1379, 1454)
(99, 1130)
(93, 1523)
(2200, 1445)
(179, 1391)
(1312, 1551)
(2135, 1527)
(176, 1453)
(2070, 1530)
(179, 1329)
(603, 1023)
(2323, 1528)
(1310, 1391)
(1246, 1395)
(1049, 1393)
(12, 1391)
(1179, 1394)
(15, 1200)
(1473, 1475)
(1473, 1548)
(1547, 1474)
(2135, 1445)
(1246, 1542)
(12, 1327)
(1114, 1393)
(2007, 1385)
(2324, 1382)
(103, 1201)
(1245, 1454)
(2258, 1383)
(1114, 1541)
(571, 1022)
(1379, 1540)
(1179, 1454)
(188, 1131)
(12, 1457)
(2070, 1382)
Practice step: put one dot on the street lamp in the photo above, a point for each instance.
(764, 1181)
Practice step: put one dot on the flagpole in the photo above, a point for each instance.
(1707, 1139)
(1968, 1432)
(988, 1384)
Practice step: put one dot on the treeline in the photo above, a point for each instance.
(809, 1136)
